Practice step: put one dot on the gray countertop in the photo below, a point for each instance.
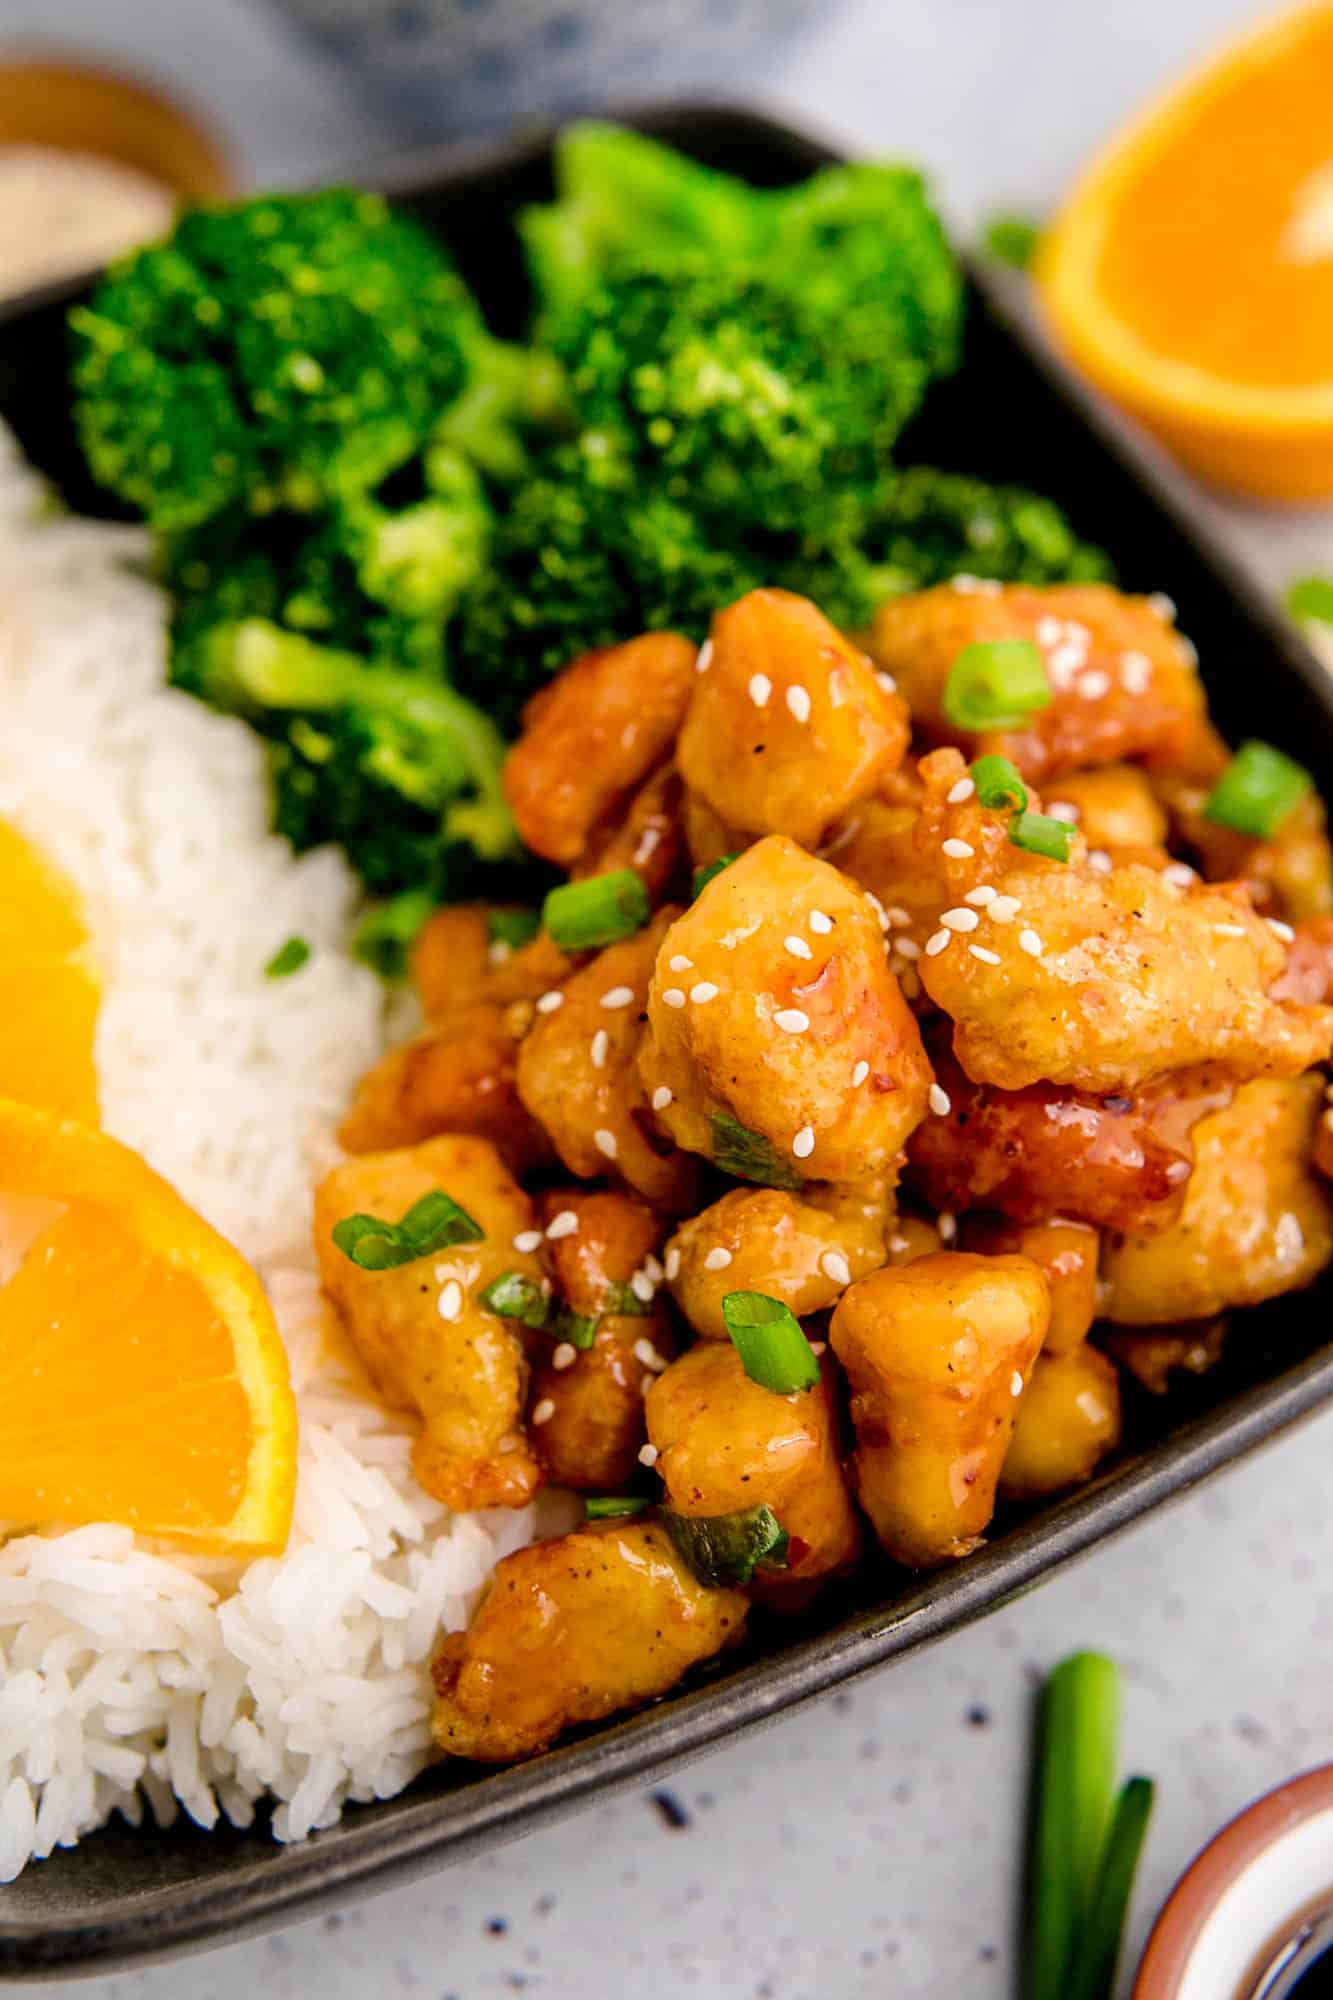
(868, 1846)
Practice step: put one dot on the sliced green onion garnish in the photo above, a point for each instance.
(1092, 1968)
(725, 1549)
(998, 783)
(288, 958)
(996, 684)
(1012, 240)
(385, 936)
(1075, 1784)
(436, 1222)
(512, 927)
(513, 1295)
(582, 916)
(748, 1156)
(1310, 599)
(703, 876)
(1038, 833)
(1259, 787)
(614, 1506)
(767, 1335)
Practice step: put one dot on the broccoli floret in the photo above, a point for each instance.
(278, 352)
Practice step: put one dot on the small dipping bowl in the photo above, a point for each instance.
(1234, 1925)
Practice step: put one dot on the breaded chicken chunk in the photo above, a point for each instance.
(572, 1630)
(1068, 1420)
(802, 1249)
(1065, 1253)
(459, 1075)
(426, 1339)
(779, 1044)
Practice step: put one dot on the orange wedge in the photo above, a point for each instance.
(142, 1376)
(48, 994)
(1190, 273)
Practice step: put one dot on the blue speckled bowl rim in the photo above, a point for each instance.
(64, 1930)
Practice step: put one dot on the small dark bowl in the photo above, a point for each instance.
(1011, 414)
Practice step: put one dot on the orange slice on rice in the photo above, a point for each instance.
(1190, 273)
(48, 993)
(142, 1375)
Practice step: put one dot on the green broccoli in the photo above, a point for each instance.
(279, 352)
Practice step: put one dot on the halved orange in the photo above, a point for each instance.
(48, 991)
(142, 1375)
(1190, 273)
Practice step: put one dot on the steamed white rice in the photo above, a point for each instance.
(131, 1676)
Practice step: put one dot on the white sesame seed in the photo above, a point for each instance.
(818, 1347)
(897, 1244)
(898, 915)
(1015, 1384)
(819, 923)
(718, 1258)
(887, 682)
(601, 1042)
(661, 1097)
(981, 895)
(986, 957)
(1099, 861)
(957, 793)
(648, 843)
(1288, 1236)
(1029, 942)
(940, 1101)
(654, 1269)
(564, 1224)
(527, 1241)
(860, 1073)
(1163, 605)
(1092, 686)
(907, 948)
(1280, 930)
(548, 1002)
(451, 1300)
(1064, 662)
(1135, 672)
(1063, 809)
(881, 914)
(947, 1225)
(703, 991)
(834, 1265)
(606, 1142)
(566, 1354)
(507, 1444)
(1049, 631)
(673, 997)
(1228, 930)
(618, 996)
(936, 944)
(679, 963)
(648, 1454)
(804, 1142)
(498, 951)
(671, 1264)
(645, 1384)
(958, 850)
(705, 657)
(961, 919)
(644, 1351)
(1179, 874)
(543, 1412)
(791, 1020)
(1003, 909)
(761, 687)
(798, 701)
(798, 947)
(642, 1287)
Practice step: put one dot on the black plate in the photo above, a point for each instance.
(1013, 414)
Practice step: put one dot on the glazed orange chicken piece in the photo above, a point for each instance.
(1153, 1355)
(427, 1341)
(724, 1444)
(577, 1074)
(1115, 1160)
(1101, 981)
(572, 1630)
(788, 725)
(1116, 811)
(650, 838)
(1068, 1420)
(802, 1249)
(1123, 682)
(937, 1353)
(1066, 1255)
(779, 1044)
(455, 964)
(592, 736)
(585, 1406)
(460, 1075)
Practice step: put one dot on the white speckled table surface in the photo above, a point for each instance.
(868, 1846)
